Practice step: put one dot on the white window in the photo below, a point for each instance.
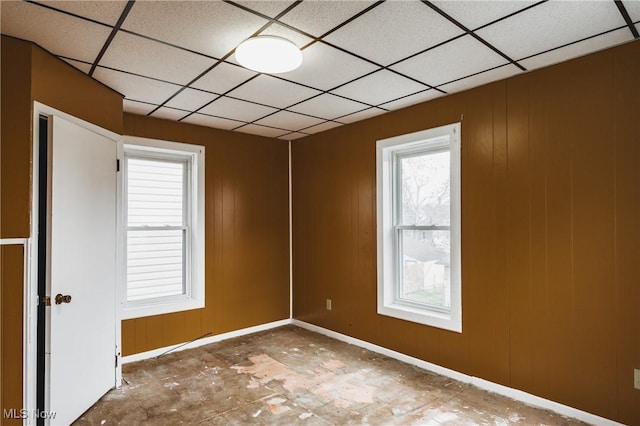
(418, 190)
(163, 216)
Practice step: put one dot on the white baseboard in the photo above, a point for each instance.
(516, 394)
(204, 341)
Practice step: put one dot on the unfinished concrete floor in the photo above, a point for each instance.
(292, 376)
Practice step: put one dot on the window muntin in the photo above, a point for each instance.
(418, 191)
(163, 232)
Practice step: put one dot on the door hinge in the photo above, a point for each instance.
(117, 165)
(46, 300)
(116, 360)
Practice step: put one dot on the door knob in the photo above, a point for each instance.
(60, 299)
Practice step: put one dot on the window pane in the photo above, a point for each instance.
(425, 189)
(155, 263)
(155, 192)
(426, 271)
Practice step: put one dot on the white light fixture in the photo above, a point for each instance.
(269, 54)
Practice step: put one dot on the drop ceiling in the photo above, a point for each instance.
(175, 59)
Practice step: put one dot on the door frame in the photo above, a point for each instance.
(30, 322)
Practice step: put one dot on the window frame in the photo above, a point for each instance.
(194, 157)
(389, 194)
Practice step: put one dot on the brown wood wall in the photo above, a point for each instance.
(246, 235)
(550, 232)
(11, 271)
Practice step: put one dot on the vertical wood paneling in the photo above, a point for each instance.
(499, 310)
(560, 334)
(11, 284)
(519, 232)
(550, 215)
(15, 161)
(478, 236)
(593, 233)
(539, 318)
(626, 110)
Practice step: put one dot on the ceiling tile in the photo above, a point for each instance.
(292, 136)
(282, 31)
(236, 109)
(412, 99)
(480, 79)
(269, 8)
(550, 25)
(633, 8)
(135, 107)
(394, 30)
(223, 77)
(322, 127)
(169, 113)
(315, 18)
(191, 99)
(103, 11)
(456, 59)
(82, 66)
(141, 56)
(209, 121)
(210, 27)
(269, 90)
(58, 33)
(379, 87)
(135, 87)
(255, 129)
(578, 49)
(474, 14)
(328, 106)
(362, 115)
(324, 67)
(289, 120)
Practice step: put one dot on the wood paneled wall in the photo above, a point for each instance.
(550, 232)
(246, 235)
(29, 74)
(11, 271)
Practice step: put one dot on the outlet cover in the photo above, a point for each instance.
(636, 378)
(329, 306)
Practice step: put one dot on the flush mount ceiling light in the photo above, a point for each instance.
(269, 54)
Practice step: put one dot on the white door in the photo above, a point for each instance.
(82, 266)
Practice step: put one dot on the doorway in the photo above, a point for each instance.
(75, 350)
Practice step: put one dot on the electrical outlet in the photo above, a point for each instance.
(636, 378)
(329, 306)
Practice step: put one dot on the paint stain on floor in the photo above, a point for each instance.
(341, 390)
(290, 376)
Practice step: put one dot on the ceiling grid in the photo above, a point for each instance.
(175, 59)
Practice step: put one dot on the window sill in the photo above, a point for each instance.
(422, 316)
(160, 307)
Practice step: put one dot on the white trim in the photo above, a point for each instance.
(204, 341)
(387, 152)
(290, 236)
(39, 108)
(13, 241)
(195, 297)
(516, 394)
